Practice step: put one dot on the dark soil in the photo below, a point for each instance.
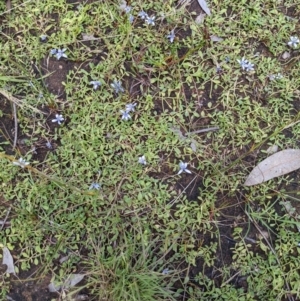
(27, 287)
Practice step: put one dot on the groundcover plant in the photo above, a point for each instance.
(127, 130)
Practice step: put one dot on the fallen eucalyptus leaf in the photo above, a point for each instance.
(200, 18)
(8, 261)
(63, 259)
(178, 133)
(194, 145)
(54, 288)
(272, 149)
(88, 37)
(71, 281)
(274, 166)
(204, 6)
(215, 38)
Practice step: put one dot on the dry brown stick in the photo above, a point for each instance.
(16, 125)
(231, 278)
(18, 102)
(10, 8)
(5, 219)
(203, 130)
(8, 4)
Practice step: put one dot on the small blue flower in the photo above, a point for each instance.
(250, 67)
(143, 15)
(49, 145)
(125, 115)
(275, 76)
(61, 53)
(43, 38)
(124, 7)
(41, 95)
(246, 65)
(130, 107)
(243, 63)
(150, 20)
(127, 9)
(142, 160)
(171, 36)
(166, 271)
(58, 119)
(293, 42)
(117, 86)
(95, 186)
(131, 18)
(183, 168)
(272, 77)
(96, 84)
(21, 162)
(53, 51)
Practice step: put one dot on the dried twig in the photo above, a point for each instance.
(16, 125)
(184, 3)
(2, 222)
(231, 278)
(10, 8)
(203, 130)
(6, 217)
(18, 102)
(175, 200)
(8, 4)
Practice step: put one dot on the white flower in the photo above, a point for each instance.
(131, 18)
(58, 119)
(124, 7)
(246, 65)
(95, 186)
(275, 76)
(142, 160)
(21, 162)
(117, 86)
(250, 67)
(143, 15)
(53, 51)
(243, 63)
(61, 53)
(130, 107)
(293, 42)
(125, 115)
(150, 20)
(183, 168)
(43, 37)
(49, 145)
(171, 36)
(96, 84)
